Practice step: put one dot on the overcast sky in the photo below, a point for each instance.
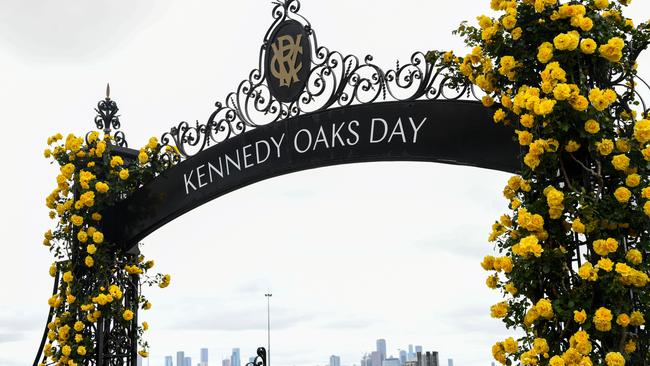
(351, 253)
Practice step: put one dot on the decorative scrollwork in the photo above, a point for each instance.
(260, 359)
(107, 118)
(335, 80)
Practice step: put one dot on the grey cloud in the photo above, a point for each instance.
(351, 322)
(73, 30)
(214, 315)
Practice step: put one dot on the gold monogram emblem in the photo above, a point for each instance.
(285, 55)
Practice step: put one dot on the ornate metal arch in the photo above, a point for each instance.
(335, 80)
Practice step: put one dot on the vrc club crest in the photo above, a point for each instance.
(288, 61)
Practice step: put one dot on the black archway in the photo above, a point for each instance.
(454, 132)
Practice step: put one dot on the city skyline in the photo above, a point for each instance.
(383, 357)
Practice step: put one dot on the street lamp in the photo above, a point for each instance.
(268, 328)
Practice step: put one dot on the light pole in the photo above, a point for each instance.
(268, 328)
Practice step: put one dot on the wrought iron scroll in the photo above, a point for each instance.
(335, 80)
(107, 118)
(260, 359)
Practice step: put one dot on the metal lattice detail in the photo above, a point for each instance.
(260, 359)
(335, 80)
(107, 118)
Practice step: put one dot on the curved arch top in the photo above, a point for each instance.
(443, 131)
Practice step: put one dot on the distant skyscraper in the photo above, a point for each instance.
(225, 362)
(188, 361)
(168, 361)
(335, 360)
(450, 362)
(180, 358)
(235, 360)
(139, 360)
(375, 358)
(251, 359)
(381, 348)
(392, 361)
(418, 349)
(204, 355)
(365, 361)
(402, 357)
(411, 355)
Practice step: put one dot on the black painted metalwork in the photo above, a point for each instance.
(260, 359)
(455, 132)
(108, 120)
(334, 80)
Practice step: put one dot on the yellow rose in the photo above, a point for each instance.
(605, 147)
(623, 320)
(545, 52)
(127, 315)
(622, 194)
(633, 180)
(91, 249)
(602, 319)
(499, 310)
(621, 162)
(89, 261)
(592, 126)
(98, 237)
(77, 220)
(143, 157)
(101, 187)
(642, 131)
(580, 316)
(124, 174)
(615, 359)
(606, 264)
(510, 345)
(588, 46)
(634, 256)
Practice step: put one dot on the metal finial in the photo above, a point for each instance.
(108, 91)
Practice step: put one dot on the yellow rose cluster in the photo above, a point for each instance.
(91, 177)
(562, 75)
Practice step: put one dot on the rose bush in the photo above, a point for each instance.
(572, 258)
(100, 281)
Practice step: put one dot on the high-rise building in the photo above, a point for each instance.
(365, 360)
(138, 361)
(411, 355)
(225, 362)
(168, 361)
(235, 360)
(428, 359)
(418, 349)
(251, 359)
(450, 362)
(187, 361)
(375, 358)
(180, 358)
(204, 356)
(381, 348)
(390, 361)
(402, 357)
(335, 360)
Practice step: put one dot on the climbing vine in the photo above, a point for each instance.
(100, 280)
(572, 260)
